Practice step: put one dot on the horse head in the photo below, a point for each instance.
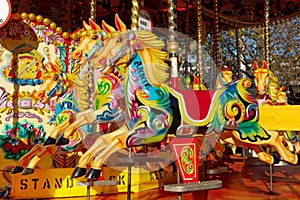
(122, 45)
(55, 83)
(224, 77)
(261, 78)
(90, 42)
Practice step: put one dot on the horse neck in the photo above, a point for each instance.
(219, 81)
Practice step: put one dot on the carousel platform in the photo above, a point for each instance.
(244, 180)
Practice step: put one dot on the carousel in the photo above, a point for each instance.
(107, 98)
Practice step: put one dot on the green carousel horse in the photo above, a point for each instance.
(153, 109)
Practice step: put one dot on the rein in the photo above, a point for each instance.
(130, 43)
(60, 85)
(95, 48)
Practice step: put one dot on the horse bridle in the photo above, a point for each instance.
(121, 52)
(95, 48)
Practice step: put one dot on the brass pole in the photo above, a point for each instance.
(200, 68)
(267, 31)
(187, 69)
(134, 15)
(216, 35)
(91, 86)
(238, 48)
(172, 43)
(93, 10)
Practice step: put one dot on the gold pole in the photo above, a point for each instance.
(200, 68)
(267, 31)
(93, 10)
(134, 15)
(216, 35)
(238, 48)
(187, 44)
(91, 87)
(172, 43)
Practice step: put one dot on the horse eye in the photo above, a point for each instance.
(95, 37)
(55, 78)
(120, 40)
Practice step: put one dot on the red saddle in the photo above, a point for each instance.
(196, 102)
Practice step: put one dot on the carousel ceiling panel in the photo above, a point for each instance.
(69, 14)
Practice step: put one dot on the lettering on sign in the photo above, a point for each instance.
(45, 184)
(144, 20)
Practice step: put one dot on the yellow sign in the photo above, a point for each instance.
(48, 183)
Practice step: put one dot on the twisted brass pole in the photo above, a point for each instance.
(172, 43)
(200, 68)
(216, 35)
(238, 49)
(267, 31)
(187, 44)
(134, 15)
(93, 10)
(91, 87)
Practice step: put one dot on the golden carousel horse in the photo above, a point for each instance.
(269, 93)
(150, 103)
(70, 91)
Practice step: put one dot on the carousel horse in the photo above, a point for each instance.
(266, 84)
(66, 88)
(224, 77)
(69, 92)
(52, 87)
(270, 93)
(154, 109)
(61, 85)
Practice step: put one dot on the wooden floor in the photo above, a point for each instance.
(245, 179)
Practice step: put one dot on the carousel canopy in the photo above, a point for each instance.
(69, 14)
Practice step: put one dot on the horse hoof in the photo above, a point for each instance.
(50, 141)
(276, 158)
(79, 172)
(28, 171)
(17, 170)
(93, 174)
(62, 141)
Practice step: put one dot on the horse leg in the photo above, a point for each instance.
(217, 145)
(87, 117)
(47, 150)
(58, 129)
(263, 156)
(118, 143)
(98, 145)
(276, 141)
(25, 159)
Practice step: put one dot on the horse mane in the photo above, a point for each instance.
(157, 74)
(81, 86)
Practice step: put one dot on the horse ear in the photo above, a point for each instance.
(282, 89)
(229, 68)
(93, 25)
(48, 67)
(223, 68)
(86, 26)
(255, 65)
(265, 66)
(107, 28)
(119, 24)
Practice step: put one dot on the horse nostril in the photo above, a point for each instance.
(102, 61)
(78, 54)
(40, 94)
